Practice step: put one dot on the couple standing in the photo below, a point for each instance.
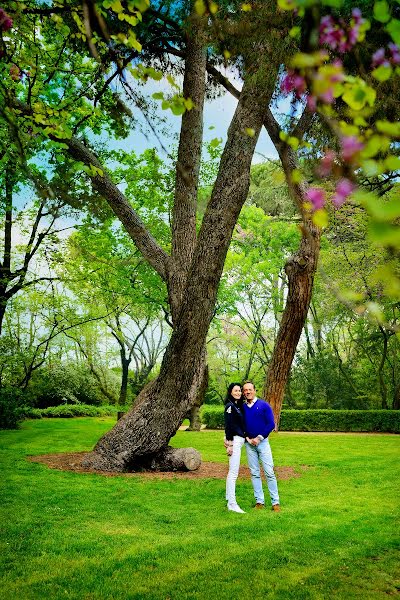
(249, 423)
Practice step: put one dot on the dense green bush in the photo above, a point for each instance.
(68, 383)
(320, 420)
(71, 410)
(10, 408)
(340, 420)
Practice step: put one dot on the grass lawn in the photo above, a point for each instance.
(89, 537)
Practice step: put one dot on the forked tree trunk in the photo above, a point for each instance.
(161, 406)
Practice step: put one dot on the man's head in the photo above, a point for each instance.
(249, 391)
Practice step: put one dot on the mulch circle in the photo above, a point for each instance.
(73, 462)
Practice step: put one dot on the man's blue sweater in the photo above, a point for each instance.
(259, 419)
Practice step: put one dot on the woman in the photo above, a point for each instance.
(234, 440)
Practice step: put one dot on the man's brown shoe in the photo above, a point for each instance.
(259, 505)
(276, 508)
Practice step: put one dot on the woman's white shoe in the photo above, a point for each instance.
(235, 508)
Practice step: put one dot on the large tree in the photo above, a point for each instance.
(193, 268)
(61, 100)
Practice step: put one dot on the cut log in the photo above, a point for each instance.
(167, 459)
(176, 459)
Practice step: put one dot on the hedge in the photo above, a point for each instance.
(69, 411)
(320, 420)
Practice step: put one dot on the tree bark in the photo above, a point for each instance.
(194, 413)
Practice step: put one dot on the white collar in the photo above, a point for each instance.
(253, 403)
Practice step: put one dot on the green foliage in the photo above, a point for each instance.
(269, 191)
(68, 384)
(10, 408)
(341, 420)
(69, 410)
(320, 420)
(212, 416)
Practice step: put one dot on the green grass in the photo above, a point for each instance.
(89, 537)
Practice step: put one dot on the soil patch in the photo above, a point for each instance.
(73, 462)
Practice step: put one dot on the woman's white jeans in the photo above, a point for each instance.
(234, 464)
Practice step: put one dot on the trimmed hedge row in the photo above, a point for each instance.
(69, 411)
(320, 420)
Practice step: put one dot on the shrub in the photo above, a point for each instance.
(69, 411)
(341, 420)
(68, 383)
(212, 416)
(10, 410)
(320, 420)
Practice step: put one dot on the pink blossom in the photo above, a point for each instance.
(343, 190)
(326, 164)
(329, 32)
(311, 103)
(317, 197)
(337, 35)
(338, 74)
(378, 58)
(395, 52)
(357, 16)
(5, 21)
(327, 97)
(293, 82)
(351, 146)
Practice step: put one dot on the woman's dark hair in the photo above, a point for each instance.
(229, 397)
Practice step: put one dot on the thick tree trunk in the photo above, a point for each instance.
(300, 270)
(161, 406)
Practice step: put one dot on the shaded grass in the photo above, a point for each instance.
(69, 535)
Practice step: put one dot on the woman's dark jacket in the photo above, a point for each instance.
(234, 422)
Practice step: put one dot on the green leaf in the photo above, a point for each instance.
(158, 96)
(385, 234)
(178, 109)
(293, 142)
(392, 129)
(392, 163)
(382, 73)
(287, 4)
(357, 94)
(372, 168)
(200, 7)
(215, 142)
(381, 11)
(320, 218)
(283, 135)
(375, 145)
(393, 28)
(115, 5)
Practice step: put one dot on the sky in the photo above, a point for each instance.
(218, 114)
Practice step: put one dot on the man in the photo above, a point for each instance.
(259, 422)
